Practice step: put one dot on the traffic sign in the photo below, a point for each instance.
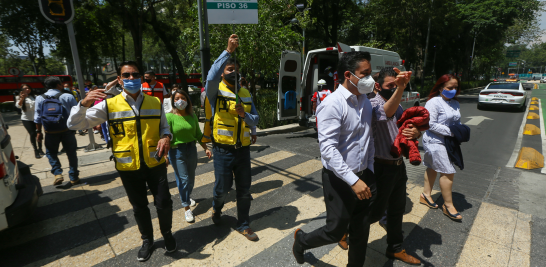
(500, 69)
(57, 11)
(512, 64)
(502, 73)
(232, 11)
(14, 71)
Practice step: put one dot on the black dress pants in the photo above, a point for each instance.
(135, 183)
(344, 209)
(391, 196)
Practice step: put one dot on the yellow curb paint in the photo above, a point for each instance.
(534, 99)
(499, 237)
(236, 249)
(533, 116)
(531, 129)
(529, 158)
(534, 102)
(533, 107)
(56, 224)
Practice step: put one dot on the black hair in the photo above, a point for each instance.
(151, 72)
(233, 61)
(350, 61)
(385, 72)
(189, 107)
(51, 82)
(127, 63)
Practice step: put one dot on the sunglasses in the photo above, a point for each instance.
(135, 75)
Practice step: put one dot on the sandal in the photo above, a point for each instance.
(424, 200)
(451, 216)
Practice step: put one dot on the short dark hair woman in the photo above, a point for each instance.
(183, 153)
(25, 101)
(444, 110)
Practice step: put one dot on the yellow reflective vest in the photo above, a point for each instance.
(225, 127)
(134, 138)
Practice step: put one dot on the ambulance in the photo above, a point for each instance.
(298, 83)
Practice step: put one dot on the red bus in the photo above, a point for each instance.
(192, 79)
(10, 84)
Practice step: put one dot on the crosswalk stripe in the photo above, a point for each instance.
(375, 254)
(130, 238)
(499, 237)
(57, 224)
(235, 248)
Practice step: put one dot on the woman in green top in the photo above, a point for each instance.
(183, 153)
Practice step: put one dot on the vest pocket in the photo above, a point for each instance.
(149, 151)
(125, 157)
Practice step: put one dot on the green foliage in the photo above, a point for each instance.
(266, 105)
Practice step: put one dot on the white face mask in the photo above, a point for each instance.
(181, 104)
(365, 85)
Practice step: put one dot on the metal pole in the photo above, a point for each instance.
(303, 54)
(72, 37)
(203, 38)
(472, 58)
(426, 53)
(206, 50)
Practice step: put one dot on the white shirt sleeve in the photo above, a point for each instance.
(82, 118)
(329, 120)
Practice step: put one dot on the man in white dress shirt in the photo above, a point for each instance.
(347, 151)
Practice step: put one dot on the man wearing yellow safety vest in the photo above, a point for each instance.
(230, 113)
(140, 138)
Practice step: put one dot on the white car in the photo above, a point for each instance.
(503, 94)
(19, 190)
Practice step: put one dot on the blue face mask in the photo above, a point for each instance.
(449, 93)
(132, 86)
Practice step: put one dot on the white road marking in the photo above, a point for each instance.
(512, 161)
(542, 134)
(475, 120)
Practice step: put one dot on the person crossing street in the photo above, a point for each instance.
(229, 115)
(140, 139)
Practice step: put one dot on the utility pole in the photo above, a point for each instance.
(426, 53)
(472, 57)
(204, 38)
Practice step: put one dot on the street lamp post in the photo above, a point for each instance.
(301, 8)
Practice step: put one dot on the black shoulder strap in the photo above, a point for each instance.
(57, 96)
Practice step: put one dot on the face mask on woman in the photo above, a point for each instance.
(365, 85)
(449, 94)
(181, 104)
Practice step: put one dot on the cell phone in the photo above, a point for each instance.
(157, 157)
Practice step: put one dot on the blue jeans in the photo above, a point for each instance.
(51, 142)
(184, 161)
(227, 163)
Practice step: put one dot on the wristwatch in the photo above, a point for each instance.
(38, 131)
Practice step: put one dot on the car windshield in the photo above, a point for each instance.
(504, 86)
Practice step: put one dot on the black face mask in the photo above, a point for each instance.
(387, 93)
(230, 78)
(148, 80)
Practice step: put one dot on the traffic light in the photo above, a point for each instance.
(56, 8)
(57, 11)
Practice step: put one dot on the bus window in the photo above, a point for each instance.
(29, 80)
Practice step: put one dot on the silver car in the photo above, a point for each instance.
(503, 95)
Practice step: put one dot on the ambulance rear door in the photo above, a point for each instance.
(289, 85)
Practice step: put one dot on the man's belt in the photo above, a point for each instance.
(396, 162)
(228, 147)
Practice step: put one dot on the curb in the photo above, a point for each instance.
(281, 129)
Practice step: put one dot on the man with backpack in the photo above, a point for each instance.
(52, 110)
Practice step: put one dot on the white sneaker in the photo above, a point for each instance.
(192, 203)
(95, 132)
(189, 216)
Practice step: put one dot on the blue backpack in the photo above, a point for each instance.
(54, 115)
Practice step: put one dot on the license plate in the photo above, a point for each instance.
(500, 96)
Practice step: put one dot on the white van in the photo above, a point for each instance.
(295, 91)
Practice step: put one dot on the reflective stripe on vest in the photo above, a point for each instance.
(134, 138)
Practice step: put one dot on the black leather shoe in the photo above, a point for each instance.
(170, 243)
(217, 217)
(297, 248)
(37, 154)
(145, 251)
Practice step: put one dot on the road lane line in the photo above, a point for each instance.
(512, 161)
(129, 238)
(499, 237)
(56, 224)
(236, 249)
(375, 253)
(542, 134)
